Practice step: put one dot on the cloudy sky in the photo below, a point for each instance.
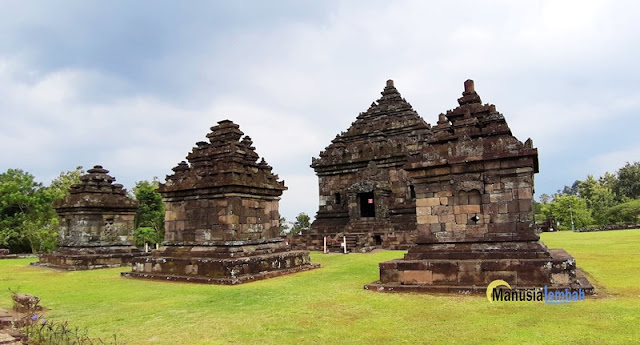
(132, 85)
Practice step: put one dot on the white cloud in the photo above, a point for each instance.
(302, 196)
(559, 71)
(612, 161)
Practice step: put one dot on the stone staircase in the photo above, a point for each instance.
(334, 243)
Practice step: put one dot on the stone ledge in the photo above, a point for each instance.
(376, 286)
(86, 262)
(222, 281)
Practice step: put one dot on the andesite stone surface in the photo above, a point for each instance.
(365, 193)
(222, 218)
(96, 225)
(474, 193)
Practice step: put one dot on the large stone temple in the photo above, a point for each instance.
(96, 225)
(474, 192)
(366, 196)
(222, 219)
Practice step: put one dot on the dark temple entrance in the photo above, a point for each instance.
(367, 205)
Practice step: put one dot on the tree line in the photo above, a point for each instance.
(28, 221)
(613, 198)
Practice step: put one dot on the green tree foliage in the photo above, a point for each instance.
(564, 208)
(302, 223)
(146, 234)
(150, 212)
(608, 180)
(27, 218)
(284, 227)
(628, 212)
(537, 207)
(573, 190)
(545, 198)
(61, 185)
(627, 184)
(598, 196)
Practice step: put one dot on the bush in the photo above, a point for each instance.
(146, 234)
(628, 212)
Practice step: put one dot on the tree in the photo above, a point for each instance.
(545, 198)
(61, 185)
(537, 207)
(567, 208)
(284, 227)
(146, 234)
(573, 190)
(27, 218)
(627, 184)
(150, 211)
(301, 224)
(608, 180)
(598, 196)
(628, 212)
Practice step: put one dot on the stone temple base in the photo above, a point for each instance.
(86, 258)
(4, 254)
(558, 271)
(229, 263)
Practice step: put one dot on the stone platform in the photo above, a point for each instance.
(6, 254)
(228, 263)
(467, 276)
(85, 258)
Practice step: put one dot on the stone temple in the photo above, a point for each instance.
(222, 219)
(365, 192)
(96, 225)
(474, 193)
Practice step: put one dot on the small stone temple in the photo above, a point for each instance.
(96, 225)
(366, 196)
(222, 219)
(474, 195)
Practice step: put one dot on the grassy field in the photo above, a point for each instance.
(329, 305)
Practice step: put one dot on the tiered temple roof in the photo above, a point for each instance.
(227, 163)
(96, 191)
(483, 128)
(385, 133)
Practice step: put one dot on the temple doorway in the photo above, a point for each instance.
(367, 205)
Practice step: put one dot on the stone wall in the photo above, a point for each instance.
(500, 194)
(221, 219)
(96, 229)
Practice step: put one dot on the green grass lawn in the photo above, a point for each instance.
(329, 305)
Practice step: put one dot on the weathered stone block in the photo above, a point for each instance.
(416, 277)
(428, 202)
(427, 219)
(423, 211)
